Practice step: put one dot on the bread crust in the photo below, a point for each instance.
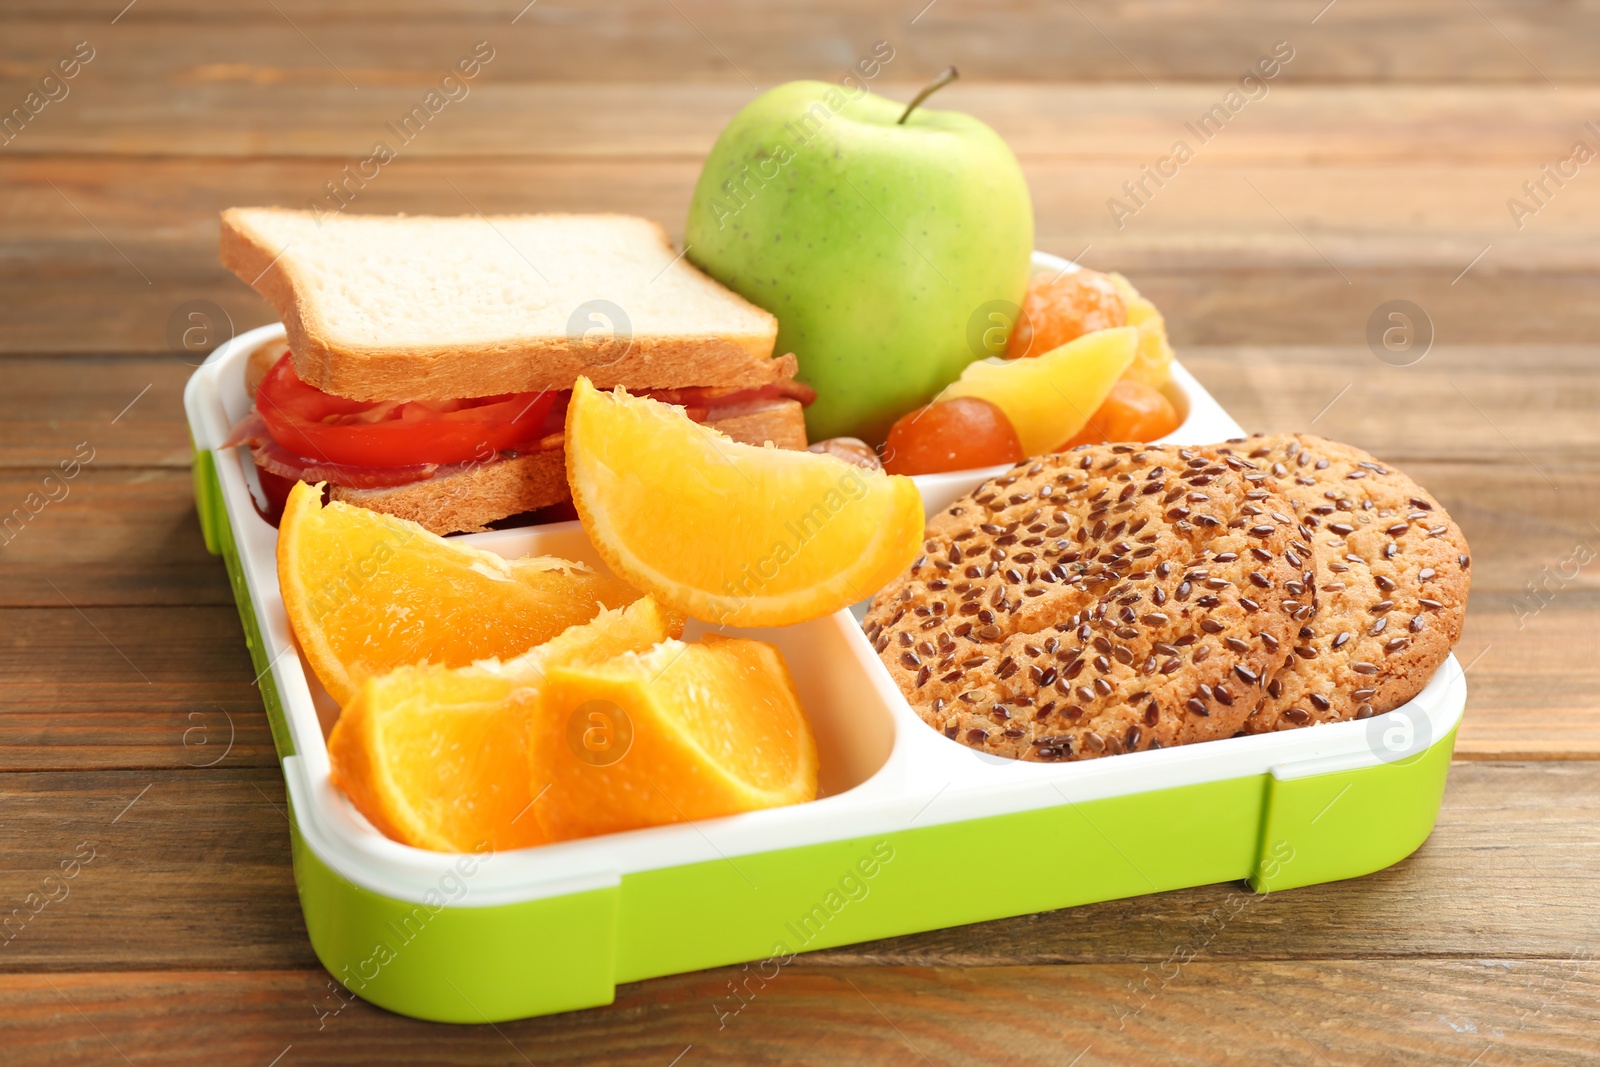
(468, 500)
(523, 364)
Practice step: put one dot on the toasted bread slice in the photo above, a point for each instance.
(393, 307)
(468, 500)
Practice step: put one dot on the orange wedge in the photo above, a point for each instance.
(437, 757)
(726, 532)
(709, 729)
(368, 592)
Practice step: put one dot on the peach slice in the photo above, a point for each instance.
(1049, 398)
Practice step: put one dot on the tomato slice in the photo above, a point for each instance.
(318, 425)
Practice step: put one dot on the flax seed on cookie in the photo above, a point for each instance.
(1103, 600)
(1391, 571)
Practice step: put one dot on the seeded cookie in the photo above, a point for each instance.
(1111, 598)
(1391, 573)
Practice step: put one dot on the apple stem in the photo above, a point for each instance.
(945, 77)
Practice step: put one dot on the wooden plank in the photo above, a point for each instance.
(162, 212)
(128, 412)
(128, 687)
(1401, 42)
(103, 253)
(1126, 122)
(1338, 1013)
(1531, 693)
(1467, 404)
(104, 537)
(1486, 448)
(203, 853)
(216, 841)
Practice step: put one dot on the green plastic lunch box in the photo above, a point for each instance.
(910, 831)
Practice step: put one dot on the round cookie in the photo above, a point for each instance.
(1391, 573)
(1107, 599)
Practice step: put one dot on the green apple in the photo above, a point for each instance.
(893, 253)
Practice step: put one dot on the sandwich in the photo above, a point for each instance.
(428, 360)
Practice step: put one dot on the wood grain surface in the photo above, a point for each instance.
(1377, 167)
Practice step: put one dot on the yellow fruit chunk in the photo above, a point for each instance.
(437, 757)
(1152, 364)
(1049, 398)
(727, 532)
(692, 731)
(368, 592)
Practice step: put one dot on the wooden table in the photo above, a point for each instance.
(1376, 167)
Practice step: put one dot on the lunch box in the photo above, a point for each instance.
(910, 831)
